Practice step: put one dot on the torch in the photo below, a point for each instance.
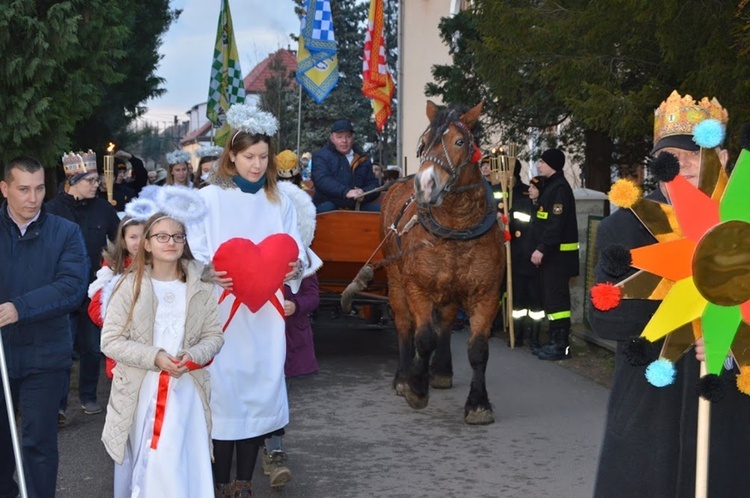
(501, 172)
(109, 173)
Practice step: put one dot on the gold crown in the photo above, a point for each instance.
(678, 115)
(79, 162)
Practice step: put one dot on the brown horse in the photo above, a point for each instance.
(453, 257)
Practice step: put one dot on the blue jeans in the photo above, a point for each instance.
(37, 395)
(87, 342)
(327, 206)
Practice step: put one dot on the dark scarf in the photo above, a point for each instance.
(248, 186)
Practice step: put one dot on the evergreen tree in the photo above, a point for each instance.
(346, 100)
(60, 58)
(280, 99)
(602, 66)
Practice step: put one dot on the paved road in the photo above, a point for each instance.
(351, 436)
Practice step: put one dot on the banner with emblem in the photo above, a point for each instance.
(317, 63)
(377, 82)
(226, 87)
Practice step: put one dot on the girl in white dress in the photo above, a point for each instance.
(162, 326)
(248, 398)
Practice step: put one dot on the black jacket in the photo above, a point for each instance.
(333, 177)
(44, 274)
(521, 220)
(97, 219)
(649, 439)
(555, 225)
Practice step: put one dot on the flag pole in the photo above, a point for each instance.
(12, 421)
(299, 121)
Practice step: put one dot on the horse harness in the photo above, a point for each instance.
(425, 216)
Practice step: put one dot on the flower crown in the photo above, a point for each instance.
(180, 203)
(251, 120)
(178, 156)
(209, 151)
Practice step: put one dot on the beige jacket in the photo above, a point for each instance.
(133, 349)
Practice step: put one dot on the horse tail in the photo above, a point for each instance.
(360, 283)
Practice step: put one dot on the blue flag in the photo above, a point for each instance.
(317, 64)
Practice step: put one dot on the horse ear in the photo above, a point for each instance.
(471, 116)
(432, 110)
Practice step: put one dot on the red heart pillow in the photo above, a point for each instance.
(257, 270)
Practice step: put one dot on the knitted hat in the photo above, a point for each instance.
(554, 158)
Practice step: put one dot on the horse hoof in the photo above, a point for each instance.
(441, 381)
(400, 388)
(480, 416)
(415, 401)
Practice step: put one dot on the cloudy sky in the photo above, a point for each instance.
(260, 27)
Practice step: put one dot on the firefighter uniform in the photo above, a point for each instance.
(556, 237)
(527, 302)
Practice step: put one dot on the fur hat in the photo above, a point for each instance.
(554, 158)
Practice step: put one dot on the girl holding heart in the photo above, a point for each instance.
(249, 221)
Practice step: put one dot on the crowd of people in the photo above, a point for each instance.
(141, 289)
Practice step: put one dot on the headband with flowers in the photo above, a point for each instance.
(178, 156)
(251, 120)
(209, 151)
(180, 203)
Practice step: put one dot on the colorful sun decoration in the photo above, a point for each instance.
(699, 268)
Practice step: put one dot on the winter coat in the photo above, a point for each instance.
(43, 273)
(556, 225)
(133, 350)
(649, 440)
(333, 177)
(300, 350)
(98, 221)
(522, 243)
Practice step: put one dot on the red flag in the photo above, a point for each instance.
(377, 83)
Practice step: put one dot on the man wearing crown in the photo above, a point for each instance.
(649, 446)
(77, 201)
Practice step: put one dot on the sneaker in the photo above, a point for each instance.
(91, 408)
(62, 420)
(280, 473)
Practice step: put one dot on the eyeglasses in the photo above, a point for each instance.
(92, 181)
(163, 238)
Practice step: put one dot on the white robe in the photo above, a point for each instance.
(248, 393)
(181, 463)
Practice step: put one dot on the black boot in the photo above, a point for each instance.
(560, 350)
(534, 330)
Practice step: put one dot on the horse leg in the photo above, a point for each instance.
(404, 326)
(425, 341)
(478, 410)
(441, 366)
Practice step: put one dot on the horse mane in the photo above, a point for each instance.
(450, 114)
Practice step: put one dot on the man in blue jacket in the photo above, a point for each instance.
(341, 173)
(43, 270)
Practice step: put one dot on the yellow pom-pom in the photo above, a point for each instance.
(743, 380)
(624, 193)
(286, 160)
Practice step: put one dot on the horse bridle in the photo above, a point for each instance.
(450, 168)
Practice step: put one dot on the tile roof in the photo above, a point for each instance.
(255, 81)
(195, 134)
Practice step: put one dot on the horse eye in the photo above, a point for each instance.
(460, 142)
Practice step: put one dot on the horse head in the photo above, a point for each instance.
(445, 149)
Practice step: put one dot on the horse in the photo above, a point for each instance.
(454, 256)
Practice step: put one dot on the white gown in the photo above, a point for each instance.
(181, 463)
(248, 392)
